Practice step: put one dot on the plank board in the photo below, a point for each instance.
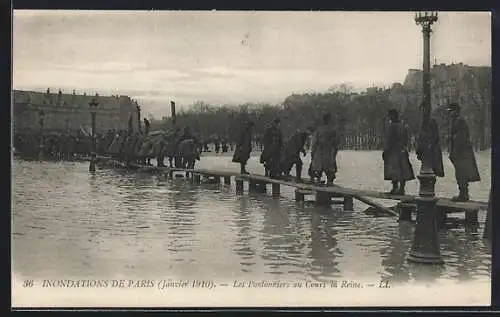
(334, 189)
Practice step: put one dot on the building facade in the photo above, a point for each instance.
(469, 86)
(68, 113)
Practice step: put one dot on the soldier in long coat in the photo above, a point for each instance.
(271, 155)
(461, 153)
(428, 144)
(324, 151)
(158, 149)
(291, 153)
(147, 126)
(168, 149)
(146, 151)
(121, 145)
(186, 134)
(244, 147)
(129, 147)
(139, 158)
(189, 152)
(112, 149)
(397, 166)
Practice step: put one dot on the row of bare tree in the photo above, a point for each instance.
(360, 118)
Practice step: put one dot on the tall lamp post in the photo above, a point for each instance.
(139, 128)
(425, 248)
(93, 109)
(40, 151)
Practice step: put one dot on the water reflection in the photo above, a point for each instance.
(181, 218)
(394, 254)
(467, 255)
(277, 236)
(426, 274)
(243, 243)
(324, 249)
(69, 223)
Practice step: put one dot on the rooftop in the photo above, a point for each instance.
(70, 100)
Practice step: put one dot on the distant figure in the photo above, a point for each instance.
(169, 145)
(146, 126)
(216, 145)
(428, 144)
(159, 142)
(185, 135)
(224, 146)
(244, 147)
(291, 153)
(462, 154)
(271, 155)
(189, 152)
(397, 166)
(310, 170)
(324, 151)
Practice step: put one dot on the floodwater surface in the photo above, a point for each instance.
(68, 223)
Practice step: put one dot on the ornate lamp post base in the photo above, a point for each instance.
(425, 248)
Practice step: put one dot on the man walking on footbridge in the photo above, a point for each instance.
(461, 153)
(324, 150)
(397, 166)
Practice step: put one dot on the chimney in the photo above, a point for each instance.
(84, 94)
(48, 91)
(96, 94)
(59, 96)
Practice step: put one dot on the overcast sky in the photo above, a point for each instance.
(230, 57)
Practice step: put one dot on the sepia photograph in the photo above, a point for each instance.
(250, 159)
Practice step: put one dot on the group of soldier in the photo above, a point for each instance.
(278, 157)
(182, 149)
(57, 146)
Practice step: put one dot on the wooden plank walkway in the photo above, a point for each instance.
(335, 190)
(442, 202)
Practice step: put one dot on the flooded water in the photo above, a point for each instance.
(68, 223)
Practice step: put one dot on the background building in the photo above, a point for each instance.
(470, 86)
(70, 112)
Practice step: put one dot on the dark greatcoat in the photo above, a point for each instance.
(462, 153)
(147, 146)
(243, 147)
(138, 146)
(324, 150)
(397, 166)
(129, 147)
(113, 147)
(292, 149)
(188, 151)
(273, 143)
(433, 147)
(168, 149)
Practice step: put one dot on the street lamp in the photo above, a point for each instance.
(425, 248)
(139, 118)
(40, 152)
(93, 109)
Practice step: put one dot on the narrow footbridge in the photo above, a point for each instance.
(324, 195)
